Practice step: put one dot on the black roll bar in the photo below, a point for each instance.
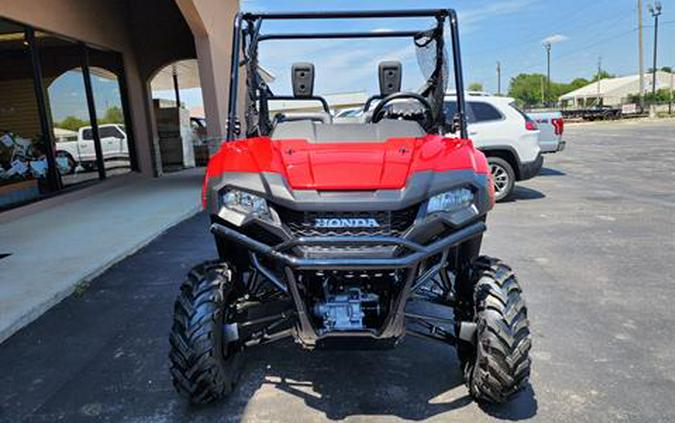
(338, 35)
(251, 17)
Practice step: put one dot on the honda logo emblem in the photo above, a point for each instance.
(346, 223)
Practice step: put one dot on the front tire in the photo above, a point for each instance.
(503, 177)
(500, 366)
(204, 367)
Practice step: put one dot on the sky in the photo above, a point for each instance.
(582, 33)
(67, 95)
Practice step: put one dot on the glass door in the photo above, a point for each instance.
(77, 151)
(106, 72)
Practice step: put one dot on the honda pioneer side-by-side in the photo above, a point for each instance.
(337, 233)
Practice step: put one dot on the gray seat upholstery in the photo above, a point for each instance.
(315, 132)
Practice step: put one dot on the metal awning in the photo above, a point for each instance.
(188, 76)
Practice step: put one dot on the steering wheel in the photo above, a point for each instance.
(379, 109)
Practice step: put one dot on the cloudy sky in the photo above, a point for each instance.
(509, 31)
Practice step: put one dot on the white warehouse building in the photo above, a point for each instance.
(614, 91)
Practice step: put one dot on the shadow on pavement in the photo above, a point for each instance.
(522, 406)
(547, 171)
(521, 193)
(416, 381)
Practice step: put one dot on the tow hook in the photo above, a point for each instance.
(467, 332)
(230, 332)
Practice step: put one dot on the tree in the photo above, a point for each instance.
(667, 69)
(526, 88)
(602, 75)
(112, 115)
(576, 84)
(72, 123)
(475, 86)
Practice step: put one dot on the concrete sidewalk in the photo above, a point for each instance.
(56, 249)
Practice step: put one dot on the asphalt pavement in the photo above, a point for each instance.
(592, 239)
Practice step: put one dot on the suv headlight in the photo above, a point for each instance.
(450, 201)
(246, 203)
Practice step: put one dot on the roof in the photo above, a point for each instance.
(473, 95)
(618, 87)
(188, 75)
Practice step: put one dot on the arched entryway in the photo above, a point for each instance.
(178, 108)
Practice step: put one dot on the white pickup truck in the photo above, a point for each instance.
(551, 127)
(81, 151)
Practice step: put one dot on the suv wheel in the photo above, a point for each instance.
(503, 176)
(204, 365)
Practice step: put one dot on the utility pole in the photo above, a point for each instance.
(542, 91)
(547, 46)
(641, 64)
(499, 78)
(655, 11)
(670, 105)
(598, 76)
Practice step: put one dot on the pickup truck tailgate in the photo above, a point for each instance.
(551, 128)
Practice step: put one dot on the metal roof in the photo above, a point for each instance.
(619, 87)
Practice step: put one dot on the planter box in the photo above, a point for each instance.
(18, 192)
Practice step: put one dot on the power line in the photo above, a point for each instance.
(577, 24)
(576, 51)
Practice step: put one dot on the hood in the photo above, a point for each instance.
(348, 165)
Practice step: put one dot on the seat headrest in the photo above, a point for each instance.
(302, 75)
(389, 73)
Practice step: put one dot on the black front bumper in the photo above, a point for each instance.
(409, 258)
(414, 252)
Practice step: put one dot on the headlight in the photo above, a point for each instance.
(246, 203)
(450, 201)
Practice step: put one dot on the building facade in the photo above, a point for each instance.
(76, 106)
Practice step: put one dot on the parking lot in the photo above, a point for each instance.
(592, 239)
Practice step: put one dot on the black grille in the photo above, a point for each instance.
(390, 223)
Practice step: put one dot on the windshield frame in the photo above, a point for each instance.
(247, 36)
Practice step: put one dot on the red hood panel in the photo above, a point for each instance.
(348, 166)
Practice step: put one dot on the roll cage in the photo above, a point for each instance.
(247, 35)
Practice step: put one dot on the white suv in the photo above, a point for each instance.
(507, 136)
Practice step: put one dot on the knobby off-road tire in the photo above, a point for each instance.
(203, 367)
(500, 366)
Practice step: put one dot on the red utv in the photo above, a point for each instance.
(328, 231)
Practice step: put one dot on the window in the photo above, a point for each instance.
(109, 132)
(63, 78)
(46, 136)
(24, 150)
(106, 68)
(484, 112)
(451, 110)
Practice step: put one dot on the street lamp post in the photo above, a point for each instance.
(547, 46)
(655, 10)
(670, 103)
